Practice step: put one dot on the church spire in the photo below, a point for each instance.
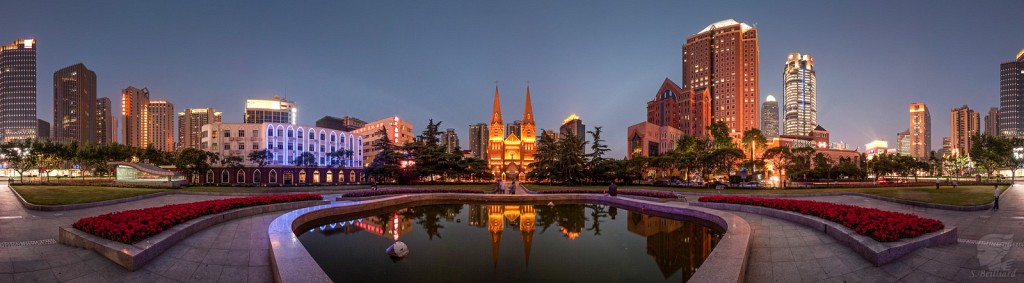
(528, 111)
(496, 115)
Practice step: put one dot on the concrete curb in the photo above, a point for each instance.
(135, 256)
(292, 263)
(31, 206)
(878, 253)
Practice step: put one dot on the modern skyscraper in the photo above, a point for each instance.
(18, 90)
(723, 59)
(42, 129)
(190, 125)
(800, 89)
(74, 105)
(1011, 97)
(573, 125)
(133, 109)
(903, 143)
(509, 156)
(478, 140)
(158, 128)
(920, 131)
(450, 141)
(770, 117)
(992, 122)
(276, 110)
(963, 123)
(346, 123)
(106, 126)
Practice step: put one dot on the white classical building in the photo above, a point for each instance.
(285, 142)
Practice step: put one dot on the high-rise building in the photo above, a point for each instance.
(190, 125)
(903, 143)
(723, 59)
(275, 110)
(509, 157)
(946, 147)
(1011, 97)
(514, 128)
(133, 109)
(478, 140)
(346, 123)
(573, 125)
(158, 125)
(800, 90)
(450, 141)
(42, 129)
(992, 122)
(770, 117)
(74, 105)
(963, 123)
(18, 90)
(105, 126)
(399, 132)
(685, 110)
(920, 131)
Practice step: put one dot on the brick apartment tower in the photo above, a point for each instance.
(963, 123)
(723, 59)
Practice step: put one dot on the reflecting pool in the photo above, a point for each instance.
(510, 243)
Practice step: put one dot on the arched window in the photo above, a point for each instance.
(352, 176)
(209, 176)
(224, 176)
(330, 176)
(240, 176)
(316, 176)
(256, 177)
(288, 176)
(272, 177)
(270, 132)
(302, 176)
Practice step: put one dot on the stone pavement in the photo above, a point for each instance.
(235, 251)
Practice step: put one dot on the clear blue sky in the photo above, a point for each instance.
(601, 59)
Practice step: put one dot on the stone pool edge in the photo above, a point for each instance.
(292, 263)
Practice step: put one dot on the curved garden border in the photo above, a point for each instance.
(134, 256)
(888, 199)
(878, 253)
(65, 207)
(292, 263)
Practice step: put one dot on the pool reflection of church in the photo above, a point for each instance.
(521, 217)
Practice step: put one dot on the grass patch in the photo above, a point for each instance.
(61, 195)
(962, 195)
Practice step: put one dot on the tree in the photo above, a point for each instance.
(598, 169)
(233, 162)
(19, 156)
(426, 151)
(386, 164)
(261, 158)
(192, 161)
(991, 153)
(1013, 161)
(338, 156)
(720, 135)
(779, 157)
(305, 159)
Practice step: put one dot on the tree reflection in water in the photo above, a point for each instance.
(429, 216)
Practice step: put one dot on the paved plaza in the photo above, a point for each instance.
(781, 251)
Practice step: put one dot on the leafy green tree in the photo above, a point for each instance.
(305, 159)
(386, 165)
(779, 157)
(193, 161)
(261, 158)
(233, 162)
(19, 156)
(598, 169)
(991, 153)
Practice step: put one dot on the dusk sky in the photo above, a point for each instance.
(600, 59)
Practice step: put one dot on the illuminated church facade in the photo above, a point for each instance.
(509, 157)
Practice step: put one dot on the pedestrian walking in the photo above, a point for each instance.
(995, 205)
(954, 184)
(936, 183)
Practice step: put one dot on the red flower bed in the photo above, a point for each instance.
(131, 226)
(641, 193)
(381, 192)
(881, 225)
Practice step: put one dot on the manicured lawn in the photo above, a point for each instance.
(59, 195)
(962, 195)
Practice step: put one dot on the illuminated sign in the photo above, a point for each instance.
(28, 43)
(263, 104)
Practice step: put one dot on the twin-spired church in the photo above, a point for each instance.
(509, 156)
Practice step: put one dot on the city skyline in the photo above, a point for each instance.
(616, 60)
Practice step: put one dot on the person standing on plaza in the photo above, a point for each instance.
(613, 190)
(995, 204)
(936, 183)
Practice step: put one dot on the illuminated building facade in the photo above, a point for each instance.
(509, 157)
(521, 217)
(398, 131)
(478, 140)
(275, 110)
(920, 131)
(992, 122)
(903, 143)
(346, 123)
(723, 60)
(800, 90)
(190, 123)
(18, 90)
(685, 110)
(1011, 97)
(74, 105)
(963, 123)
(106, 125)
(133, 106)
(158, 125)
(770, 117)
(649, 139)
(875, 148)
(574, 125)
